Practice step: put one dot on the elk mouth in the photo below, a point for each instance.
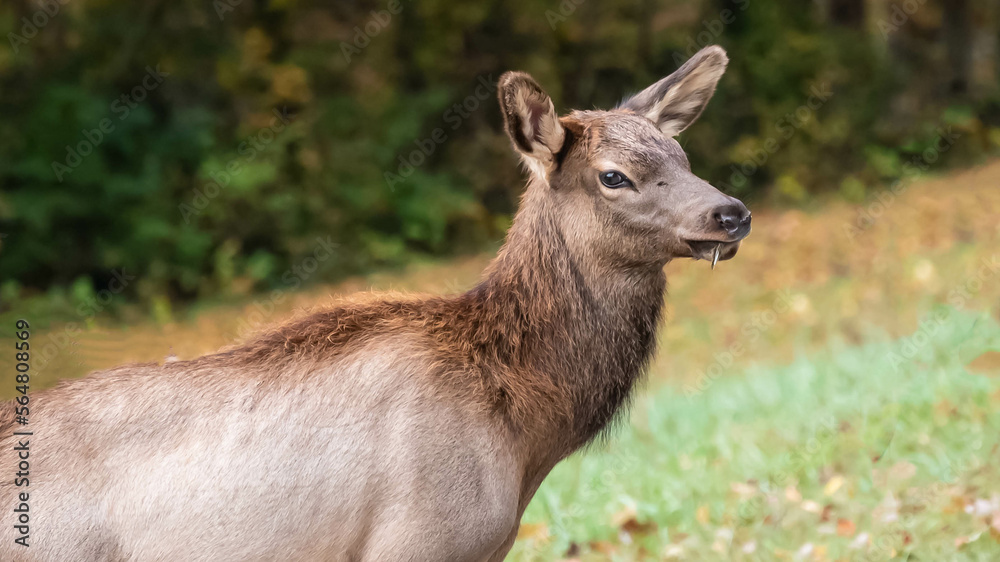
(707, 249)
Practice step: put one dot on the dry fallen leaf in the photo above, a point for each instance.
(533, 531)
(987, 363)
(995, 527)
(833, 484)
(846, 527)
(956, 505)
(604, 547)
(859, 542)
(673, 551)
(962, 541)
(944, 409)
(702, 515)
(812, 507)
(888, 510)
(633, 527)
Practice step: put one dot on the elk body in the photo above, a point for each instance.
(398, 428)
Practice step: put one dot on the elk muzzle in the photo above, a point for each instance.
(726, 225)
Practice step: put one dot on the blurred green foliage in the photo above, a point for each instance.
(204, 147)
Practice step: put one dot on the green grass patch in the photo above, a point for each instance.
(887, 450)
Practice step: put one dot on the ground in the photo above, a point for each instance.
(832, 393)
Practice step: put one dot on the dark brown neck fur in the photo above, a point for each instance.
(584, 333)
(558, 343)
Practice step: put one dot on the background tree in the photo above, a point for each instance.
(195, 194)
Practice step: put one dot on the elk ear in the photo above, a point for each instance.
(530, 121)
(676, 101)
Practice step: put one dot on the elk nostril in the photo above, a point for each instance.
(746, 219)
(725, 220)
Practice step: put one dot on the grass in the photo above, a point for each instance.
(799, 408)
(871, 452)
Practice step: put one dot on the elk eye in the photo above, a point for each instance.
(615, 180)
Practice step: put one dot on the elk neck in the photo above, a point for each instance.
(566, 339)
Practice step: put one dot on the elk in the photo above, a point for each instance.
(398, 427)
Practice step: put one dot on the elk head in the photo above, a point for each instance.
(621, 184)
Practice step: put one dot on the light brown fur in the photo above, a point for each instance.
(397, 428)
